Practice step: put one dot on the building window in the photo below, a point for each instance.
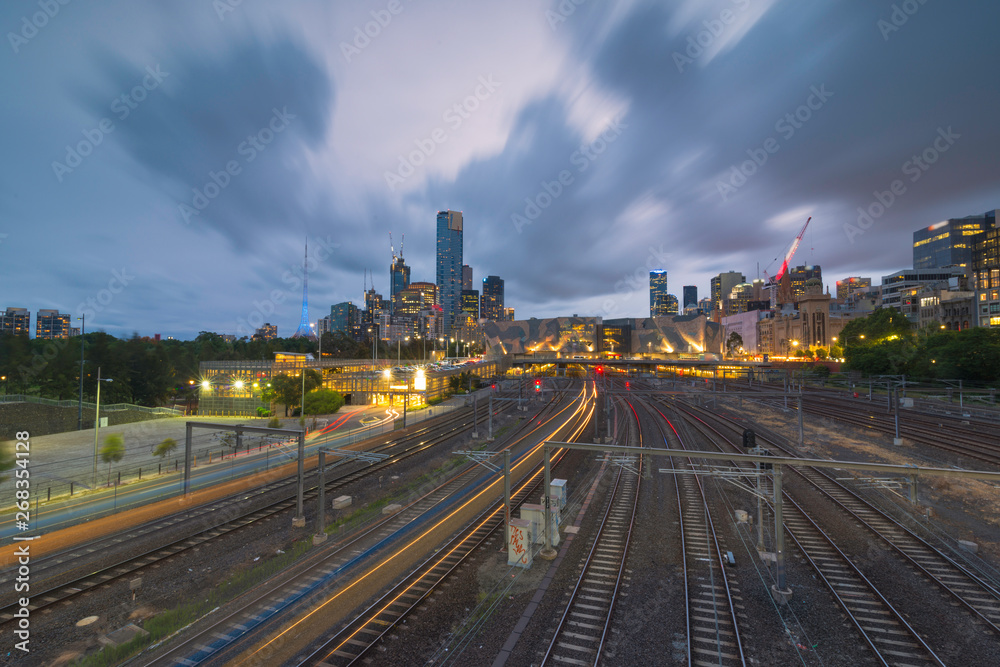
(995, 321)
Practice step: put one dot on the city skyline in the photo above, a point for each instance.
(180, 156)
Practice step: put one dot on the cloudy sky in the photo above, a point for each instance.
(163, 163)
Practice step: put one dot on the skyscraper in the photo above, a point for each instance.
(657, 293)
(723, 284)
(399, 277)
(492, 307)
(690, 296)
(449, 264)
(466, 277)
(949, 243)
(470, 302)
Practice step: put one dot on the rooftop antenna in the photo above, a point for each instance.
(403, 240)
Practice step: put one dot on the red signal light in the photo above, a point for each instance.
(628, 385)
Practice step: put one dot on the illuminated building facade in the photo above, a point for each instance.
(345, 317)
(950, 243)
(847, 287)
(15, 321)
(986, 274)
(267, 332)
(658, 293)
(51, 324)
(491, 305)
(470, 302)
(722, 285)
(399, 278)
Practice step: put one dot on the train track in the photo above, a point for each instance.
(350, 644)
(235, 517)
(947, 433)
(582, 630)
(712, 628)
(978, 595)
(884, 629)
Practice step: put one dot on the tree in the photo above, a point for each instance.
(734, 343)
(821, 354)
(113, 451)
(287, 389)
(164, 448)
(7, 458)
(323, 402)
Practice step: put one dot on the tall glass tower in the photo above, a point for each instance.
(449, 264)
(658, 293)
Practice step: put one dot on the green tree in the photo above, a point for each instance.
(113, 451)
(165, 448)
(821, 354)
(734, 343)
(287, 389)
(7, 458)
(323, 402)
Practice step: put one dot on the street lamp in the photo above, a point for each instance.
(97, 420)
(83, 327)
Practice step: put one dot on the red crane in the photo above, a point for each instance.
(791, 252)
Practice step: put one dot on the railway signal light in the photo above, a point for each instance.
(749, 439)
(538, 385)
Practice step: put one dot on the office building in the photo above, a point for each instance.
(800, 275)
(690, 294)
(267, 332)
(346, 318)
(15, 321)
(508, 314)
(986, 277)
(671, 305)
(722, 286)
(657, 293)
(51, 324)
(470, 302)
(416, 297)
(950, 243)
(907, 281)
(847, 287)
(399, 278)
(449, 264)
(466, 277)
(491, 305)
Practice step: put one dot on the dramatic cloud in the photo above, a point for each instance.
(196, 150)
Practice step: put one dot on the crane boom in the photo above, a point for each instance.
(791, 251)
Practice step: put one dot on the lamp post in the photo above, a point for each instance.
(97, 420)
(83, 330)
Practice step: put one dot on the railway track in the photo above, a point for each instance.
(234, 518)
(582, 630)
(968, 589)
(349, 644)
(712, 627)
(884, 628)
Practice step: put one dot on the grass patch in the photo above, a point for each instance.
(166, 623)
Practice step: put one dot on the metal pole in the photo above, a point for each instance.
(779, 532)
(490, 436)
(320, 534)
(187, 456)
(475, 415)
(97, 423)
(869, 389)
(896, 401)
(83, 331)
(913, 489)
(548, 551)
(760, 510)
(405, 401)
(506, 493)
(299, 520)
(961, 405)
(802, 433)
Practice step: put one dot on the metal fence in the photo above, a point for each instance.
(106, 407)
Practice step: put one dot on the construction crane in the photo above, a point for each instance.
(788, 256)
(392, 248)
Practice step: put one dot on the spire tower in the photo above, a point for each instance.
(304, 330)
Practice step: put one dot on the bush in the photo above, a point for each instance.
(323, 402)
(820, 371)
(274, 422)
